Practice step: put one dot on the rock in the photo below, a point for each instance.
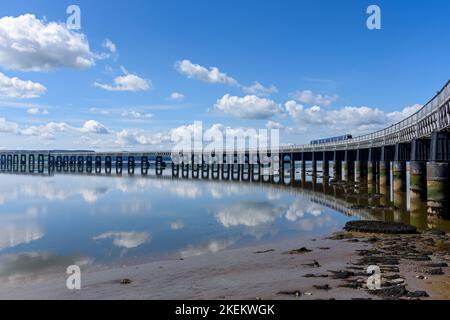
(390, 292)
(380, 227)
(342, 274)
(324, 248)
(437, 265)
(417, 294)
(310, 275)
(341, 236)
(315, 264)
(435, 271)
(324, 287)
(296, 293)
(264, 251)
(299, 251)
(125, 281)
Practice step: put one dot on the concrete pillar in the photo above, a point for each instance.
(348, 170)
(399, 176)
(358, 169)
(385, 173)
(303, 169)
(325, 168)
(438, 189)
(337, 169)
(418, 180)
(371, 171)
(292, 169)
(314, 167)
(281, 169)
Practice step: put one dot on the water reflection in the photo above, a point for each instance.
(51, 222)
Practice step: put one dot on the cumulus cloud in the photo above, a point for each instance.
(248, 107)
(249, 214)
(30, 44)
(135, 114)
(47, 131)
(212, 246)
(127, 240)
(258, 89)
(308, 97)
(274, 125)
(17, 88)
(36, 111)
(176, 96)
(128, 137)
(127, 82)
(8, 127)
(92, 126)
(198, 72)
(111, 46)
(358, 119)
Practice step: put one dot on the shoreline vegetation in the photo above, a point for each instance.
(414, 265)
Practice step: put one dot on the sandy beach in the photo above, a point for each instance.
(301, 268)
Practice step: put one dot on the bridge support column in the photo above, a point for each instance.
(337, 167)
(325, 166)
(438, 189)
(399, 176)
(371, 171)
(358, 170)
(418, 180)
(385, 173)
(438, 176)
(348, 167)
(292, 168)
(303, 169)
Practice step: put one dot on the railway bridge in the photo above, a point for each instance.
(422, 140)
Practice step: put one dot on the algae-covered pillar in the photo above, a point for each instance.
(372, 165)
(325, 166)
(402, 154)
(386, 157)
(337, 166)
(314, 164)
(420, 150)
(360, 164)
(438, 175)
(349, 161)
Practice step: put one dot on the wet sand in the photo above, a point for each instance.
(270, 271)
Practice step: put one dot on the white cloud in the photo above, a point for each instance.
(22, 89)
(92, 126)
(12, 235)
(127, 240)
(128, 137)
(135, 114)
(198, 72)
(308, 97)
(258, 89)
(30, 44)
(8, 127)
(212, 246)
(274, 125)
(177, 225)
(357, 120)
(176, 96)
(36, 111)
(248, 107)
(111, 46)
(249, 214)
(127, 82)
(47, 131)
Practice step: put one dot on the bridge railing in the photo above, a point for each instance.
(394, 133)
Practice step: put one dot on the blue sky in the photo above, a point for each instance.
(320, 71)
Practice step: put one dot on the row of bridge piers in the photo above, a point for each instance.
(427, 159)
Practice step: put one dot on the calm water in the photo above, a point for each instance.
(50, 222)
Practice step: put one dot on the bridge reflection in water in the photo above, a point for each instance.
(355, 196)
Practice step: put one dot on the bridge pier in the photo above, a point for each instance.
(337, 166)
(349, 163)
(438, 176)
(402, 154)
(420, 150)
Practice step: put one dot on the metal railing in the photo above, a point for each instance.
(418, 125)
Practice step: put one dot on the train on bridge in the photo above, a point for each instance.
(333, 139)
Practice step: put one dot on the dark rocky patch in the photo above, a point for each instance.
(264, 251)
(299, 251)
(324, 287)
(417, 294)
(380, 227)
(310, 275)
(341, 274)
